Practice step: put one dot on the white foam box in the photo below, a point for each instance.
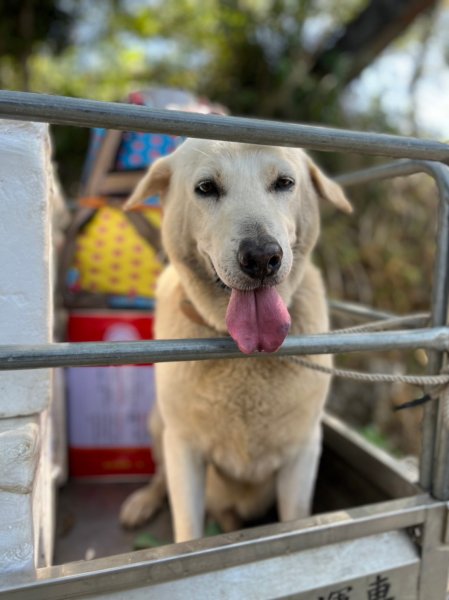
(108, 407)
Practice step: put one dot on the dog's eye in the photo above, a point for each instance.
(283, 184)
(207, 188)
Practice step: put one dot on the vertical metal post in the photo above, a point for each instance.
(440, 479)
(434, 556)
(435, 442)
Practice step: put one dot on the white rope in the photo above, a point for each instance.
(424, 381)
(418, 380)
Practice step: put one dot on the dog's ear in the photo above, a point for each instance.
(154, 183)
(328, 189)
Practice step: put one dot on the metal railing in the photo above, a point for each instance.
(60, 110)
(18, 357)
(434, 471)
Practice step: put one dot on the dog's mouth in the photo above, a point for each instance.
(220, 283)
(257, 318)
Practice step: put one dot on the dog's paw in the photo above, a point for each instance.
(138, 508)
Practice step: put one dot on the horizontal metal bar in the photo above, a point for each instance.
(61, 110)
(359, 311)
(401, 168)
(380, 319)
(392, 554)
(90, 354)
(171, 562)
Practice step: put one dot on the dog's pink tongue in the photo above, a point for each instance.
(257, 320)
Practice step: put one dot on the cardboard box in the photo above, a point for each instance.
(108, 407)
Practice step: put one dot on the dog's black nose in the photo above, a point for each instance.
(260, 259)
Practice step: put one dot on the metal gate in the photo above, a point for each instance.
(389, 550)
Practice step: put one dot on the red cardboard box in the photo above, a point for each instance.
(108, 407)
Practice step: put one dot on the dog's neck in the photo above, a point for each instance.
(189, 311)
(201, 302)
(202, 313)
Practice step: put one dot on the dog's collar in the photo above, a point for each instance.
(191, 313)
(188, 310)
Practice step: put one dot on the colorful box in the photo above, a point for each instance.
(108, 407)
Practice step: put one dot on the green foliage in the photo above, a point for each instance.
(373, 435)
(248, 54)
(25, 28)
(383, 254)
(24, 25)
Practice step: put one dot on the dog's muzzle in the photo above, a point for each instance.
(260, 259)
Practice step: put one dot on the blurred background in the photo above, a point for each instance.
(380, 65)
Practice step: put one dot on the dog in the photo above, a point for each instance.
(234, 436)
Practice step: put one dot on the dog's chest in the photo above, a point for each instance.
(246, 416)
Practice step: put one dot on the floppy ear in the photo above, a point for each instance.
(328, 189)
(154, 183)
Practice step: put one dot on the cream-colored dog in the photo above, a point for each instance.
(232, 436)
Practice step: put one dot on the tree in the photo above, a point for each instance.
(281, 59)
(25, 28)
(256, 57)
(365, 36)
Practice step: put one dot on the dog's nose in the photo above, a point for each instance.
(259, 259)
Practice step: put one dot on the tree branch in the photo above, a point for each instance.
(364, 38)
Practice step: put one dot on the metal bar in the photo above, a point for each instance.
(433, 413)
(16, 357)
(439, 413)
(434, 444)
(401, 168)
(191, 558)
(440, 484)
(434, 556)
(61, 110)
(383, 323)
(435, 436)
(359, 311)
(392, 556)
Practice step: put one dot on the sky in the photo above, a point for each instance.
(388, 79)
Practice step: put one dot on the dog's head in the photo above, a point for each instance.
(244, 217)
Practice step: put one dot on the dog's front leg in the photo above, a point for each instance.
(185, 468)
(296, 480)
